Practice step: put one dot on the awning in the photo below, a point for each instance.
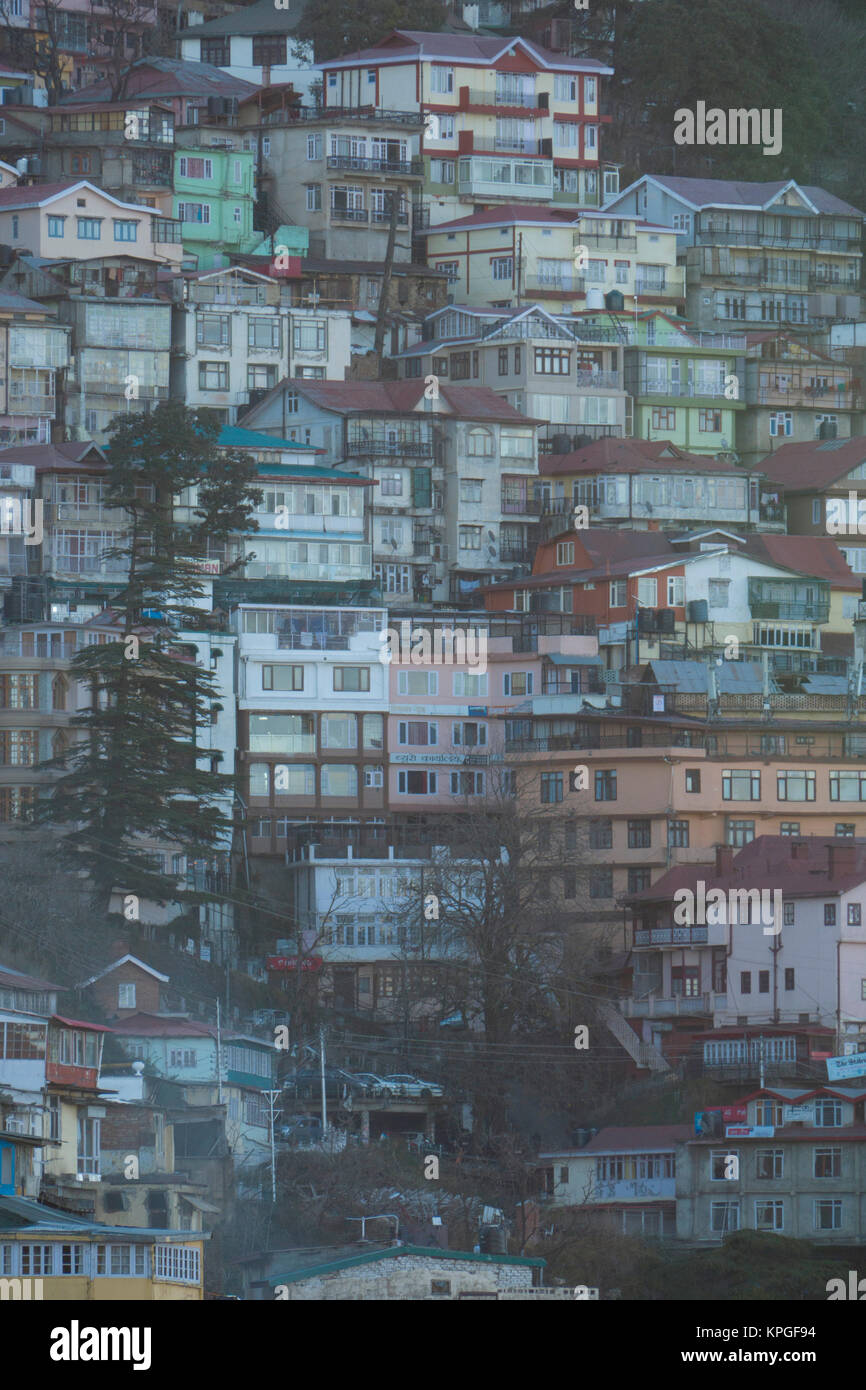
(563, 659)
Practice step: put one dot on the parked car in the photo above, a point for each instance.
(307, 1083)
(401, 1084)
(302, 1127)
(373, 1085)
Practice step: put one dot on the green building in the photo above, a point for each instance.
(214, 191)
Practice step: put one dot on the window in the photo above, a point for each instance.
(352, 678)
(468, 684)
(194, 212)
(469, 735)
(769, 1163)
(213, 330)
(647, 593)
(854, 915)
(741, 785)
(469, 537)
(339, 779)
(639, 834)
(314, 146)
(719, 1161)
(788, 914)
(601, 883)
(605, 785)
(309, 335)
(195, 167)
(829, 914)
(418, 733)
(782, 422)
(769, 1216)
(552, 361)
(828, 1113)
(693, 779)
(565, 553)
(828, 1214)
(213, 376)
(441, 79)
(263, 332)
(676, 591)
(269, 50)
(282, 678)
(709, 421)
(391, 485)
(845, 831)
(126, 996)
(551, 787)
(827, 1163)
(763, 982)
(717, 592)
(789, 828)
(215, 51)
(795, 786)
(55, 226)
(470, 489)
(178, 1263)
(416, 783)
(724, 1217)
(479, 442)
(313, 197)
(418, 682)
(88, 228)
(502, 267)
(517, 683)
(467, 783)
(745, 981)
(601, 834)
(847, 786)
(638, 880)
(618, 593)
(181, 1057)
(260, 377)
(678, 834)
(664, 419)
(740, 832)
(444, 171)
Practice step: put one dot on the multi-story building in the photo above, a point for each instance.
(73, 219)
(640, 484)
(625, 1177)
(534, 361)
(213, 196)
(197, 93)
(757, 255)
(234, 338)
(821, 481)
(795, 392)
(124, 149)
(798, 1169)
(312, 699)
(355, 167)
(255, 43)
(511, 255)
(20, 534)
(448, 468)
(504, 118)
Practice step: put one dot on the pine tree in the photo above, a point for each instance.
(134, 778)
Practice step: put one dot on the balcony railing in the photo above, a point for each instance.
(520, 506)
(374, 166)
(501, 144)
(559, 284)
(335, 113)
(515, 554)
(765, 237)
(349, 215)
(654, 286)
(26, 404)
(600, 380)
(402, 218)
(529, 101)
(605, 242)
(670, 936)
(657, 1005)
(652, 386)
(794, 610)
(376, 445)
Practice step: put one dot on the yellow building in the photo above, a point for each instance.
(51, 1255)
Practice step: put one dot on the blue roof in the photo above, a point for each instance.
(372, 1256)
(233, 437)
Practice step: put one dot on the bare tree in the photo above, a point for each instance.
(118, 29)
(38, 50)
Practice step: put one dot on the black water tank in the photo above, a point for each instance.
(614, 301)
(827, 429)
(561, 444)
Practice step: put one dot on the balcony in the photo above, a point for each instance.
(336, 113)
(804, 603)
(545, 446)
(764, 237)
(605, 242)
(599, 381)
(702, 389)
(377, 446)
(516, 554)
(501, 144)
(375, 166)
(676, 1006)
(349, 215)
(560, 284)
(670, 936)
(806, 396)
(496, 101)
(385, 217)
(654, 286)
(28, 404)
(793, 611)
(520, 506)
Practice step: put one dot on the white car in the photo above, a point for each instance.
(401, 1084)
(372, 1084)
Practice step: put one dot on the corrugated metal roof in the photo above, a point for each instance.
(734, 677)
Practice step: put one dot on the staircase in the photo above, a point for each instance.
(643, 1053)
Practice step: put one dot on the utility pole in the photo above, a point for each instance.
(379, 339)
(219, 1057)
(272, 1099)
(324, 1093)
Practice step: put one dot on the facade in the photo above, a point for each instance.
(504, 118)
(511, 255)
(234, 339)
(757, 255)
(407, 1271)
(78, 220)
(255, 44)
(538, 363)
(124, 149)
(623, 1177)
(444, 467)
(821, 483)
(213, 196)
(795, 393)
(34, 350)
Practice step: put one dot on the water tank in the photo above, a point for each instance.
(666, 620)
(581, 441)
(594, 299)
(561, 444)
(646, 620)
(697, 611)
(827, 429)
(493, 1240)
(614, 301)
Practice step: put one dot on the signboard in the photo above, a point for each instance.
(792, 1114)
(658, 704)
(749, 1131)
(294, 962)
(454, 758)
(840, 1067)
(712, 1122)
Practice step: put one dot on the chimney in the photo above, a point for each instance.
(724, 859)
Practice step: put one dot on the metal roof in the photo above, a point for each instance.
(734, 677)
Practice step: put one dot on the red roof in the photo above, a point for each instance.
(508, 212)
(15, 980)
(817, 556)
(32, 195)
(52, 458)
(159, 1026)
(815, 464)
(640, 1138)
(769, 861)
(471, 48)
(80, 1023)
(398, 398)
(632, 456)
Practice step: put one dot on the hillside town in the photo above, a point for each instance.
(442, 897)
